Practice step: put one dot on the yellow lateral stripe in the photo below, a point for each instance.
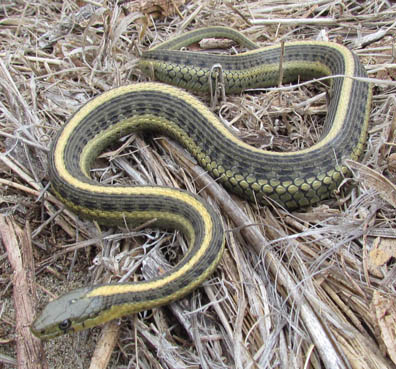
(293, 179)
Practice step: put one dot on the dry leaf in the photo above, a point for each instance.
(384, 249)
(385, 313)
(385, 188)
(387, 74)
(389, 134)
(157, 8)
(392, 162)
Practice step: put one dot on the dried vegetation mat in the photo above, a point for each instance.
(313, 289)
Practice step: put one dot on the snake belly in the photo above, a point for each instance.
(292, 180)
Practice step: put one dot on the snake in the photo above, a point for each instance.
(289, 179)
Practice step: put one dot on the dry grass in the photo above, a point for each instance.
(301, 290)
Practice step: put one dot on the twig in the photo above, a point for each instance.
(30, 353)
(295, 21)
(105, 345)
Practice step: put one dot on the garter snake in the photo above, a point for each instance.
(293, 179)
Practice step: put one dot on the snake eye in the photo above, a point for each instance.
(65, 325)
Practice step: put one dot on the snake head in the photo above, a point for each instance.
(68, 313)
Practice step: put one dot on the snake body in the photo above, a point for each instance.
(292, 179)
